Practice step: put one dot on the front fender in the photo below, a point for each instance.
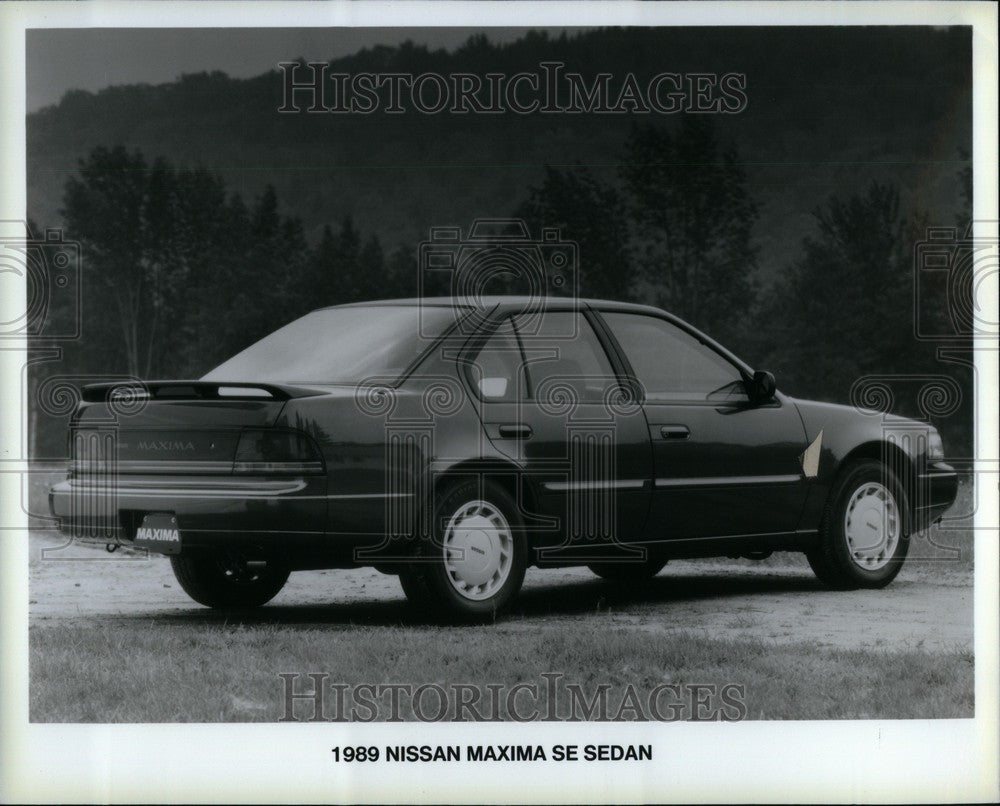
(839, 434)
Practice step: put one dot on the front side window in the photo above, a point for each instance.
(564, 355)
(672, 364)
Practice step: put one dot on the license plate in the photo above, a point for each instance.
(159, 532)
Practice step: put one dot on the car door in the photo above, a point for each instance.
(551, 401)
(723, 466)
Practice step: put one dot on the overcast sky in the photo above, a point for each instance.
(90, 59)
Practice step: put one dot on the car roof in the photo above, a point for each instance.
(507, 302)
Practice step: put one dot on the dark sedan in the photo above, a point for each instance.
(456, 445)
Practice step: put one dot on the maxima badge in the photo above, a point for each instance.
(158, 532)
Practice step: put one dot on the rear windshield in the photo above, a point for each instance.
(339, 345)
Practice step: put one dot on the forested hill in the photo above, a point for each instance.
(828, 111)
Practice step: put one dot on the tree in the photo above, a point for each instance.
(349, 282)
(401, 273)
(265, 286)
(371, 265)
(107, 210)
(210, 234)
(593, 214)
(843, 310)
(189, 277)
(319, 275)
(694, 219)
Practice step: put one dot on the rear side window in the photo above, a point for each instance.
(497, 373)
(672, 364)
(545, 359)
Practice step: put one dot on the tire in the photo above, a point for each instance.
(864, 535)
(634, 572)
(473, 568)
(222, 580)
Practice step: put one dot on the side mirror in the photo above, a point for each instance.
(762, 387)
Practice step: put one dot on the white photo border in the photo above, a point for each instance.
(871, 760)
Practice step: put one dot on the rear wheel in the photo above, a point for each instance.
(637, 571)
(475, 565)
(863, 535)
(226, 579)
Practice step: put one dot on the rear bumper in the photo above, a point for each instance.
(210, 511)
(935, 492)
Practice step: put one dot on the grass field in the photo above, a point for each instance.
(168, 673)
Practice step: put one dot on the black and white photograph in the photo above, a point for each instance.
(477, 402)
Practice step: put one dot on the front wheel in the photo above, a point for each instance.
(225, 579)
(474, 566)
(863, 535)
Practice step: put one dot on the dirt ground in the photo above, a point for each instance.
(929, 606)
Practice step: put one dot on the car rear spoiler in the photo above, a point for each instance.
(190, 390)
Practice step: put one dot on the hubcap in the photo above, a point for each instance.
(478, 550)
(872, 526)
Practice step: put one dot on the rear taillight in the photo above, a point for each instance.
(276, 451)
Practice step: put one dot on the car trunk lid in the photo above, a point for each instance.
(175, 427)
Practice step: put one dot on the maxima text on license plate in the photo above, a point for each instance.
(159, 532)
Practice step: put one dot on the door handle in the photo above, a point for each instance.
(674, 432)
(515, 431)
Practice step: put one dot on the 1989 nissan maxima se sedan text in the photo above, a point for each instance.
(456, 446)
